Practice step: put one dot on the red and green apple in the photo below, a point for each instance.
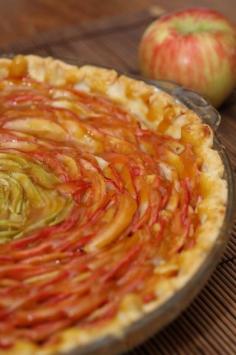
(195, 48)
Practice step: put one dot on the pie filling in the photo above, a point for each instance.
(94, 205)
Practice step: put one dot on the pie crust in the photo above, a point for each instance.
(151, 107)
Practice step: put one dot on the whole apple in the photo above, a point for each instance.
(195, 48)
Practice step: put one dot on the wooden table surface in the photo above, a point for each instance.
(25, 18)
(107, 32)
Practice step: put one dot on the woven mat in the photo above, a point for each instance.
(208, 326)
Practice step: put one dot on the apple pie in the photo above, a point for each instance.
(111, 198)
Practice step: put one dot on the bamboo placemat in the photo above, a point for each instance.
(208, 326)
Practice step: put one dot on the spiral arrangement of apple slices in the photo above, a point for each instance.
(93, 205)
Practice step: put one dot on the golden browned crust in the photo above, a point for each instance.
(150, 106)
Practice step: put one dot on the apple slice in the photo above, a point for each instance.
(124, 215)
(38, 127)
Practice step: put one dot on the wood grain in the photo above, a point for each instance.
(26, 18)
